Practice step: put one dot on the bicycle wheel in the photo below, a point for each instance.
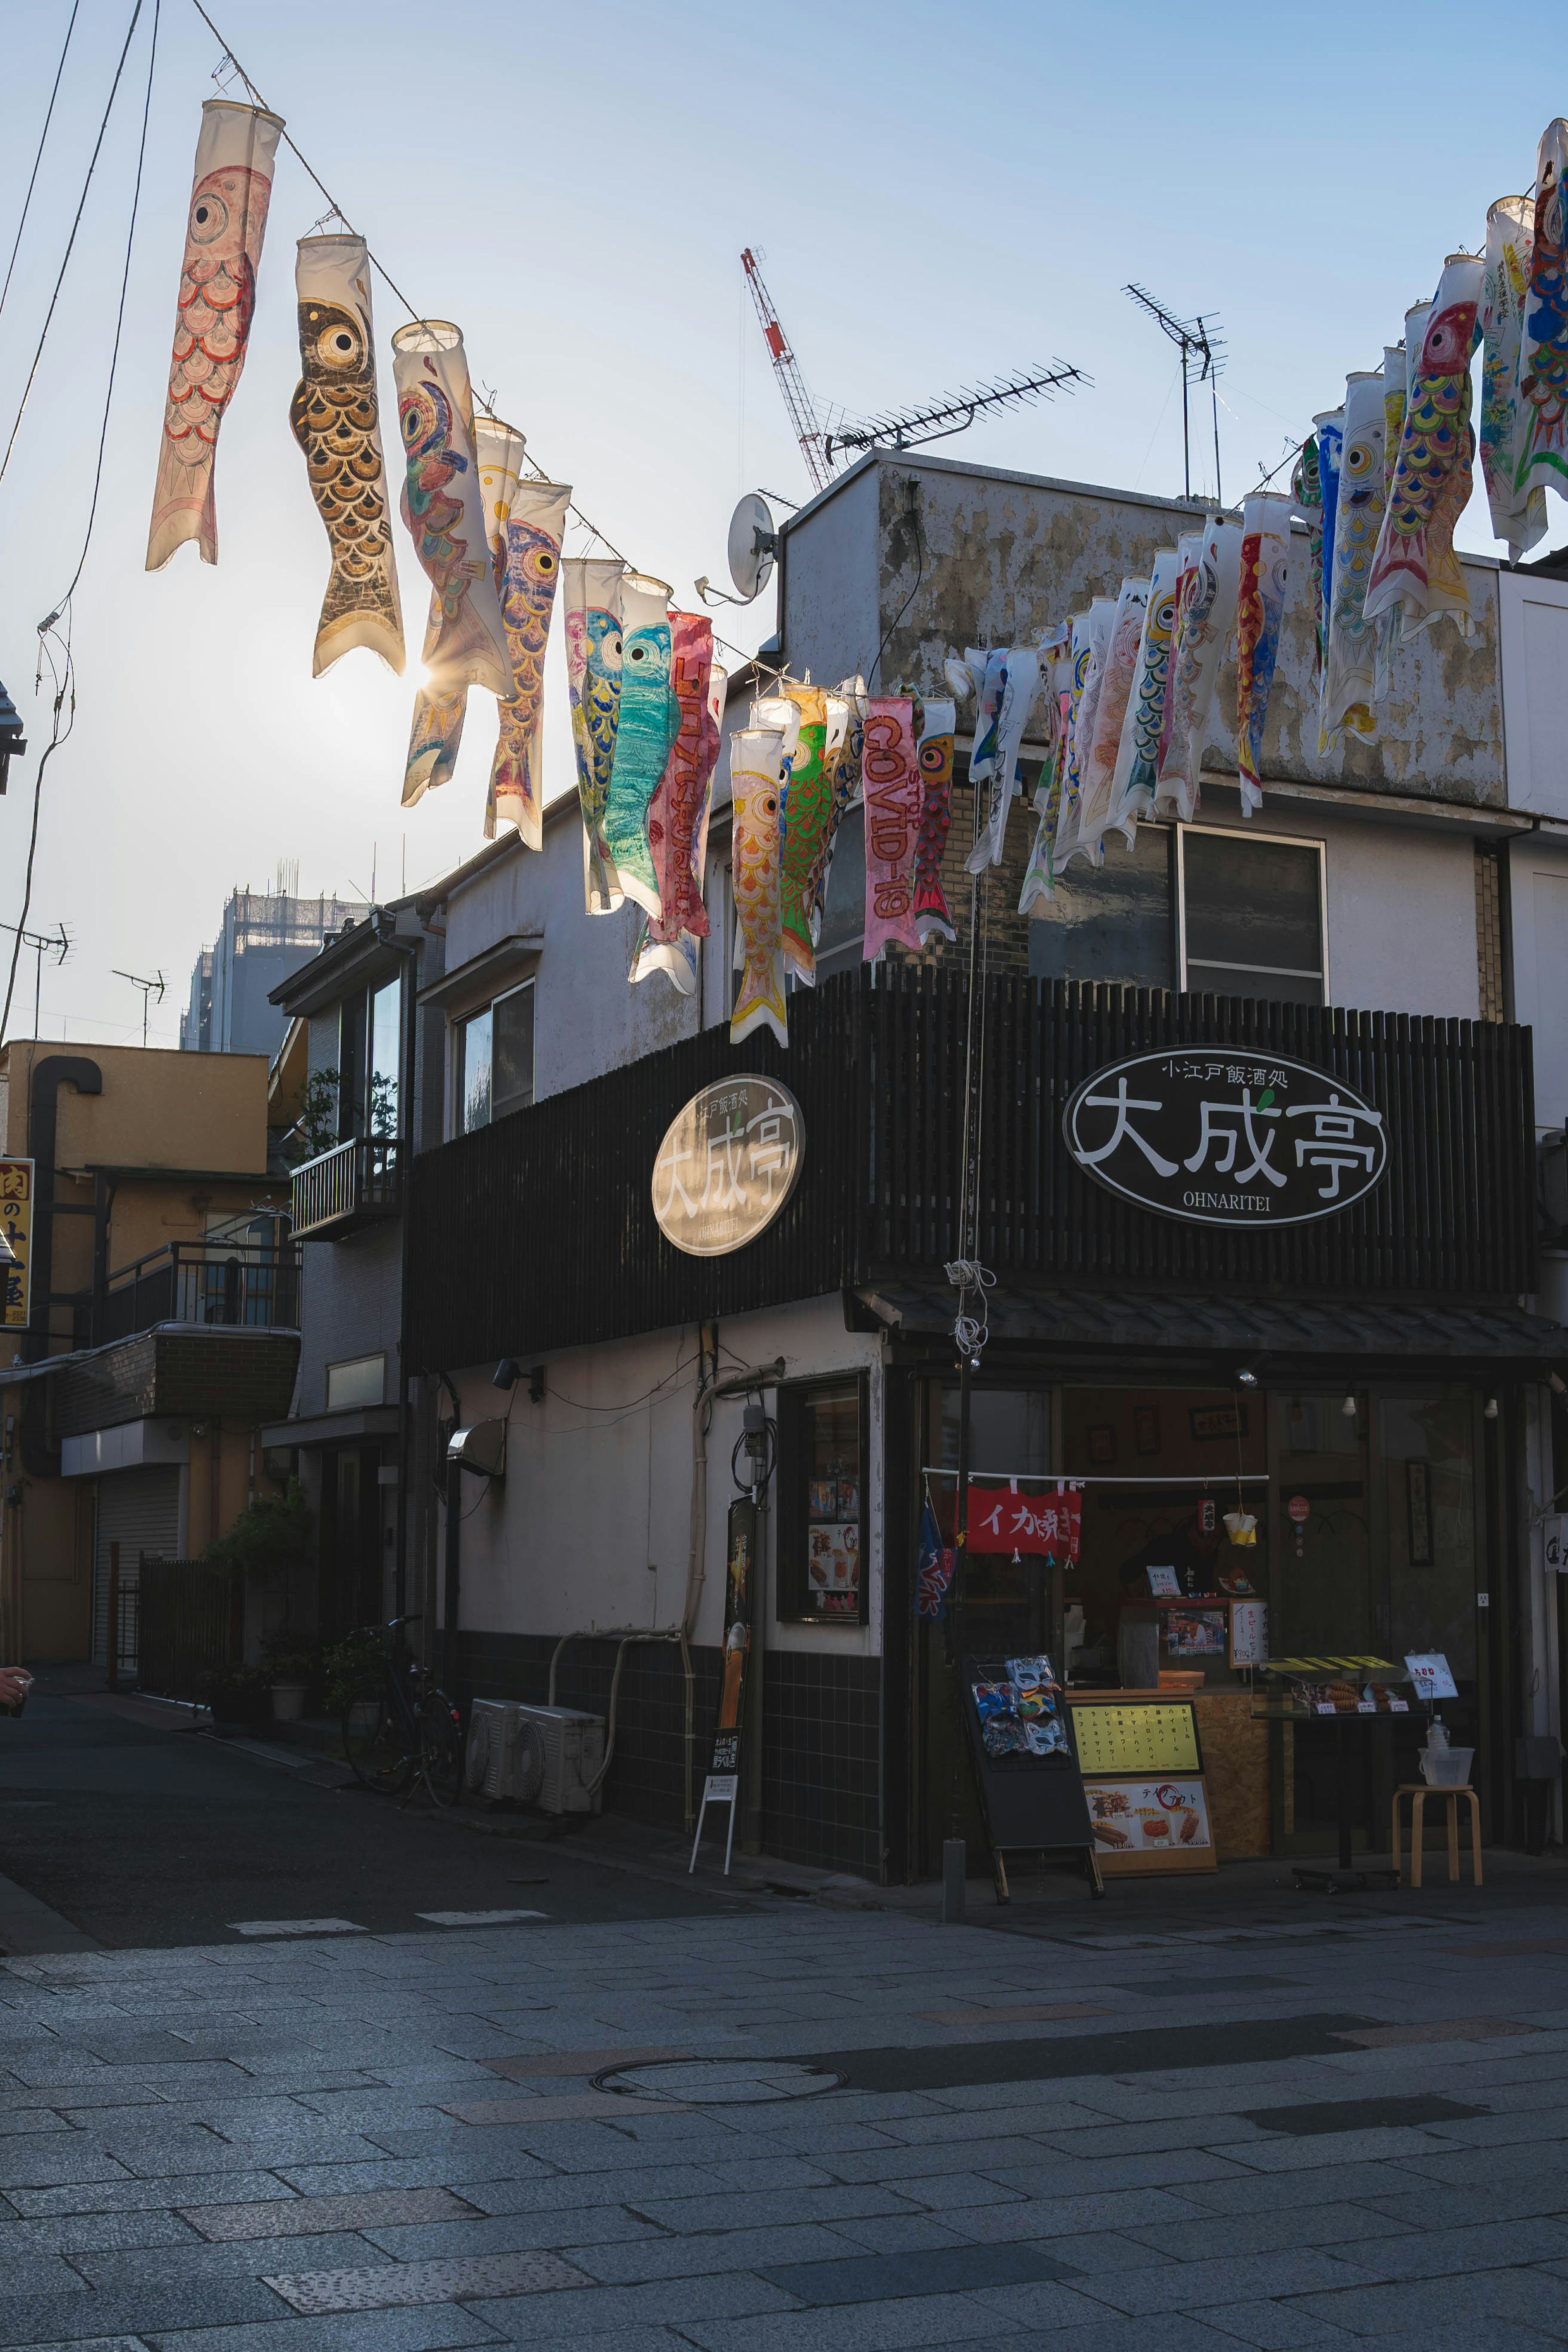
(441, 1748)
(376, 1743)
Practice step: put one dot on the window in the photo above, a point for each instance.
(370, 1043)
(472, 1102)
(1252, 916)
(821, 1513)
(495, 1061)
(1113, 924)
(839, 945)
(385, 1042)
(360, 1381)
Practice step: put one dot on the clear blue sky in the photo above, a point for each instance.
(939, 195)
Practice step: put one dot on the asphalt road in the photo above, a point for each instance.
(144, 1837)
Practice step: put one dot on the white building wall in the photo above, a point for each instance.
(591, 1528)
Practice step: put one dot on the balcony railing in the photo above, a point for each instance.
(246, 1284)
(352, 1185)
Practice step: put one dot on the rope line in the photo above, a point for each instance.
(38, 158)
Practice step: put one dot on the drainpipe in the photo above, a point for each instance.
(408, 1099)
(53, 1072)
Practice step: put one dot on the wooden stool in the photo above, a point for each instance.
(1418, 1791)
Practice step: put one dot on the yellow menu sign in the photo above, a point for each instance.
(16, 1222)
(1145, 1736)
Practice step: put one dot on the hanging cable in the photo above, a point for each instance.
(65, 685)
(71, 242)
(38, 158)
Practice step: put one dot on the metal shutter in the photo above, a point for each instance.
(140, 1511)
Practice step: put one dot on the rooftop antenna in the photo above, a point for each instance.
(43, 943)
(1197, 340)
(150, 988)
(956, 412)
(797, 399)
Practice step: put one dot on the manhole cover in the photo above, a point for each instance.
(719, 2082)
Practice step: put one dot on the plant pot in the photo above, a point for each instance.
(289, 1702)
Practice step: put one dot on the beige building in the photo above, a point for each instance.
(155, 1329)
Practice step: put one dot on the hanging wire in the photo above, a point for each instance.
(38, 158)
(64, 676)
(71, 242)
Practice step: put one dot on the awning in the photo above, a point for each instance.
(345, 1428)
(1200, 1325)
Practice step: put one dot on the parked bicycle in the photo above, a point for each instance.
(400, 1727)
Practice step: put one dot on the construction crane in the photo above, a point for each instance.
(791, 384)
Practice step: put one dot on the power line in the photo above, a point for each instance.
(71, 242)
(38, 158)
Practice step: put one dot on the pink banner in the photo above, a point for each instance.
(891, 782)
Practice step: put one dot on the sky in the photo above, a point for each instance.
(938, 198)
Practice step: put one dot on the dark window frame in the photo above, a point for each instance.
(793, 1511)
(1217, 979)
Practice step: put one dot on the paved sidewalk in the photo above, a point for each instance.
(1349, 2127)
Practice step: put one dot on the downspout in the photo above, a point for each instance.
(407, 1102)
(53, 1072)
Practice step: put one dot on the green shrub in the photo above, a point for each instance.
(275, 1532)
(349, 1667)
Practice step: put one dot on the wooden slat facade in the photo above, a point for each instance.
(538, 1232)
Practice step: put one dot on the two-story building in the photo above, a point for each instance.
(1371, 1385)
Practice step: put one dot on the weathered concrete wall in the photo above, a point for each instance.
(1002, 556)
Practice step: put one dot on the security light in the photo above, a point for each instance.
(506, 1374)
(1246, 1377)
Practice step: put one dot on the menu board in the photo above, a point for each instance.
(1142, 1736)
(1151, 1825)
(832, 1539)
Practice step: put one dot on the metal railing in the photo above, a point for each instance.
(348, 1185)
(250, 1284)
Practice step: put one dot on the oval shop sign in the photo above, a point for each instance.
(1227, 1135)
(727, 1165)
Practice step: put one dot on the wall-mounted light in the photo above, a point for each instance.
(1246, 1377)
(506, 1374)
(1488, 1411)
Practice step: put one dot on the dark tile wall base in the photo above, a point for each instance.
(821, 1734)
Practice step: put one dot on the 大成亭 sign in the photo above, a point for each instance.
(727, 1165)
(1226, 1137)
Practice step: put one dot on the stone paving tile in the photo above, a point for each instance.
(508, 2234)
(1103, 2139)
(120, 2270)
(381, 2286)
(1280, 2191)
(55, 2161)
(123, 2195)
(1275, 2327)
(609, 2311)
(74, 2233)
(1432, 2208)
(1486, 2245)
(1062, 2217)
(709, 2253)
(1533, 2298)
(943, 2192)
(1175, 2168)
(895, 2233)
(62, 2318)
(1188, 2287)
(459, 2164)
(38, 2275)
(931, 2321)
(1209, 2238)
(438, 2328)
(296, 2216)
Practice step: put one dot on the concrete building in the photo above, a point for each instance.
(153, 1329)
(264, 935)
(1410, 1336)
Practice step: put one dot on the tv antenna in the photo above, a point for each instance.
(824, 452)
(957, 412)
(150, 988)
(1198, 341)
(43, 943)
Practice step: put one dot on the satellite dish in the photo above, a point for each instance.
(753, 544)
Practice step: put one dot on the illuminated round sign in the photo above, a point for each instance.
(727, 1165)
(1227, 1135)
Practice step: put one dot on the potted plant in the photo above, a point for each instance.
(293, 1671)
(236, 1698)
(270, 1537)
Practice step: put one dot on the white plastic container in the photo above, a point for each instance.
(1446, 1768)
(288, 1702)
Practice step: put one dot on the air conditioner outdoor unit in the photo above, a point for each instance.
(559, 1751)
(542, 1756)
(490, 1761)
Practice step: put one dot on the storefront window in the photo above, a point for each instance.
(1252, 921)
(821, 1501)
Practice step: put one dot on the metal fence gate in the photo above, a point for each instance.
(188, 1623)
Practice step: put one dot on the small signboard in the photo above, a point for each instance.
(1143, 1825)
(1248, 1632)
(1147, 1736)
(1430, 1671)
(1031, 1790)
(727, 1165)
(16, 1222)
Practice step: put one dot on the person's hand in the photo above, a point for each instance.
(15, 1684)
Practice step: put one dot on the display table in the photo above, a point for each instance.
(1418, 1791)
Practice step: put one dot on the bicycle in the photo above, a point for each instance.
(400, 1727)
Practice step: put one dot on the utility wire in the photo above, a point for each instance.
(70, 243)
(38, 158)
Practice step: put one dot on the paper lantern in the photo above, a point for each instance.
(1519, 514)
(892, 784)
(225, 228)
(936, 723)
(443, 505)
(1544, 360)
(527, 522)
(1415, 568)
(756, 756)
(591, 592)
(1136, 771)
(677, 812)
(1208, 623)
(1349, 673)
(1260, 606)
(336, 416)
(644, 734)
